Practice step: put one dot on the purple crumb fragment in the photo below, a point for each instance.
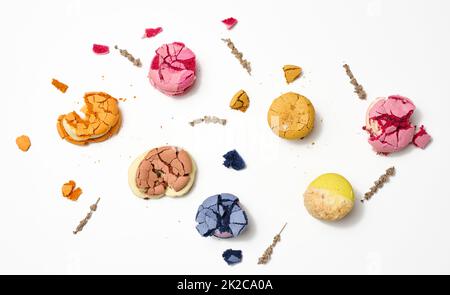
(232, 256)
(221, 216)
(234, 160)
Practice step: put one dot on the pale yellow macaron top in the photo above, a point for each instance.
(329, 197)
(334, 183)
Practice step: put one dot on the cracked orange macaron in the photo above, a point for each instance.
(163, 171)
(291, 116)
(102, 120)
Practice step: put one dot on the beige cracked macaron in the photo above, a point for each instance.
(329, 197)
(164, 171)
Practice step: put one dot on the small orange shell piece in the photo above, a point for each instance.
(60, 86)
(23, 143)
(69, 191)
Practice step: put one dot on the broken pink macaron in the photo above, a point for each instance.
(388, 123)
(173, 69)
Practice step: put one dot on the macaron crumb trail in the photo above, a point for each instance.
(232, 256)
(269, 251)
(23, 143)
(239, 56)
(240, 101)
(379, 184)
(83, 222)
(59, 85)
(70, 192)
(234, 160)
(291, 73)
(135, 61)
(207, 120)
(358, 88)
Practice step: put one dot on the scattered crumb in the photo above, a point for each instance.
(59, 85)
(23, 143)
(136, 61)
(358, 88)
(268, 253)
(244, 63)
(69, 191)
(313, 143)
(379, 183)
(83, 222)
(291, 73)
(208, 119)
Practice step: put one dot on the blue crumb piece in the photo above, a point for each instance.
(232, 256)
(233, 160)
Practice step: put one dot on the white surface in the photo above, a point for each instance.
(393, 47)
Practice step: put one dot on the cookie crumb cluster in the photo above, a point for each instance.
(136, 61)
(83, 222)
(244, 63)
(379, 183)
(358, 87)
(208, 119)
(268, 253)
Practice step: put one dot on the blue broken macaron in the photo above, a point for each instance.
(232, 256)
(234, 160)
(221, 216)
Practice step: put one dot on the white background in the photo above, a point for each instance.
(393, 47)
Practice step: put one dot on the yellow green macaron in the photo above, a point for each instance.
(329, 197)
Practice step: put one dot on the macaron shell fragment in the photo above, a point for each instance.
(291, 73)
(240, 101)
(291, 116)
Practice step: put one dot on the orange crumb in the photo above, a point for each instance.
(60, 86)
(23, 143)
(69, 191)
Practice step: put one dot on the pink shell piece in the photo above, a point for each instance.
(173, 69)
(230, 22)
(100, 49)
(421, 138)
(152, 32)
